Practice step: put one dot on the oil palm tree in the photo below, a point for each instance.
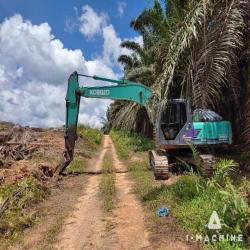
(141, 66)
(206, 53)
(199, 49)
(137, 67)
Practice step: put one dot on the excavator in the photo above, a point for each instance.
(177, 125)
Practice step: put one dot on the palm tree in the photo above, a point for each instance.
(207, 55)
(141, 66)
(197, 49)
(137, 67)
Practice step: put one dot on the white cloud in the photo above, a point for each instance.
(91, 23)
(42, 57)
(121, 7)
(111, 45)
(70, 25)
(19, 72)
(138, 39)
(98, 67)
(34, 68)
(2, 74)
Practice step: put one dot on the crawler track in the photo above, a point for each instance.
(159, 163)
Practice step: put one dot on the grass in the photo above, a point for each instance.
(127, 142)
(51, 234)
(78, 165)
(19, 215)
(92, 137)
(192, 199)
(191, 202)
(91, 140)
(107, 184)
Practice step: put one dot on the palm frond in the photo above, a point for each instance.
(132, 45)
(180, 41)
(153, 19)
(143, 20)
(245, 136)
(126, 61)
(225, 38)
(126, 117)
(221, 173)
(142, 74)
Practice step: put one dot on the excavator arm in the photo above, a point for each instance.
(124, 90)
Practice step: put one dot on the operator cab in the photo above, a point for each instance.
(179, 126)
(173, 118)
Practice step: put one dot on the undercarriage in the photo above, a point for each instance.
(162, 162)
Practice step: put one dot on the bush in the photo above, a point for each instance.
(236, 211)
(225, 245)
(221, 174)
(192, 200)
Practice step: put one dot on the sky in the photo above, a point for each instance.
(42, 42)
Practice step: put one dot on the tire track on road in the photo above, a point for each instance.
(85, 228)
(129, 231)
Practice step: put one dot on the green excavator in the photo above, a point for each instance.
(177, 126)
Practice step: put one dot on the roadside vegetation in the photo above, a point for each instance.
(107, 184)
(88, 142)
(17, 208)
(77, 166)
(18, 200)
(91, 137)
(193, 198)
(127, 142)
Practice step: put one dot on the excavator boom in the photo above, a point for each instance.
(124, 90)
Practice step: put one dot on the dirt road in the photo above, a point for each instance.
(86, 227)
(75, 218)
